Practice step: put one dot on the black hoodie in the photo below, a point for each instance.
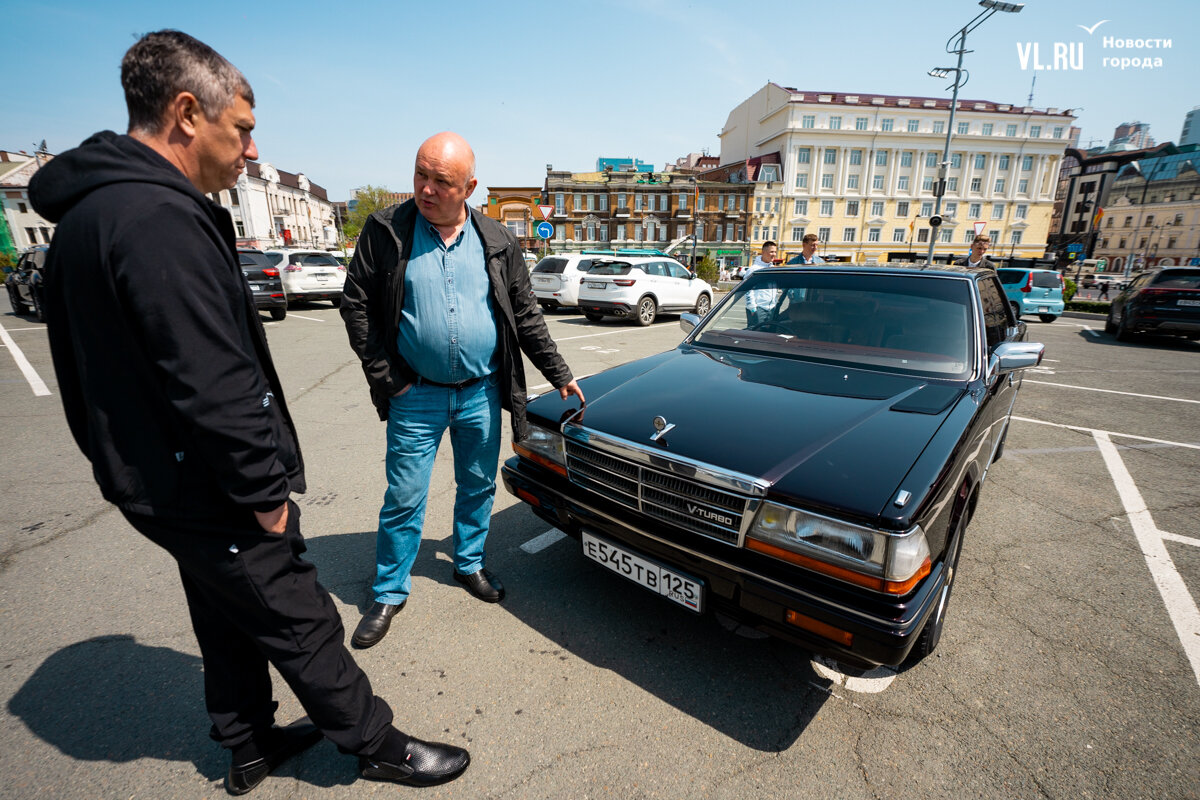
(160, 356)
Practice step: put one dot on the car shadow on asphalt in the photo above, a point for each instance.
(1177, 344)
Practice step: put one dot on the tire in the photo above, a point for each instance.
(1124, 334)
(931, 634)
(19, 308)
(1016, 307)
(278, 313)
(647, 310)
(547, 308)
(38, 311)
(703, 304)
(1109, 325)
(337, 302)
(1000, 447)
(593, 316)
(1047, 317)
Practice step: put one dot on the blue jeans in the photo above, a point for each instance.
(415, 425)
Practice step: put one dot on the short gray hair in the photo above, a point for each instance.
(164, 63)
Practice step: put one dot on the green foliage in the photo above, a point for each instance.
(707, 269)
(7, 262)
(1069, 290)
(369, 200)
(1093, 306)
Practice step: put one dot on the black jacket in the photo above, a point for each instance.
(160, 356)
(374, 298)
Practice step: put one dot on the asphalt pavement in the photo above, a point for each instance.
(1069, 667)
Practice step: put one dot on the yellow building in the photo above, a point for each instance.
(858, 170)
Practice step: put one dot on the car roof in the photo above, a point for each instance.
(936, 270)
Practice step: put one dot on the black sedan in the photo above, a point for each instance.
(24, 283)
(1165, 302)
(264, 281)
(810, 471)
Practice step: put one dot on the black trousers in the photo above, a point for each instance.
(254, 600)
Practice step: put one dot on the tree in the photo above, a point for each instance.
(707, 269)
(367, 200)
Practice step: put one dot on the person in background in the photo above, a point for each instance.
(978, 255)
(759, 302)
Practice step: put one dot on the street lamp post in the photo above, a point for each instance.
(961, 76)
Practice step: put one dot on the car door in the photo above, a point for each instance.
(683, 288)
(999, 326)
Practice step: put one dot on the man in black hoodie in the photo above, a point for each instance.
(170, 392)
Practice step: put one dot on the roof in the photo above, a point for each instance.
(914, 102)
(287, 179)
(1165, 167)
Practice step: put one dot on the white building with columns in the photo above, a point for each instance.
(858, 170)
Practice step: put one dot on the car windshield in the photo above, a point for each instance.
(258, 260)
(1046, 280)
(610, 268)
(1177, 280)
(906, 323)
(551, 264)
(1010, 276)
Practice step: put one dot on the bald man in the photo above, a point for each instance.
(438, 307)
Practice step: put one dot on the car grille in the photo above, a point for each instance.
(680, 502)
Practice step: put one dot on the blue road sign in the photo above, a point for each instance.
(545, 230)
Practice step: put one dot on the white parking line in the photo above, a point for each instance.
(610, 333)
(539, 543)
(1107, 433)
(1181, 608)
(1175, 537)
(35, 381)
(313, 319)
(1114, 391)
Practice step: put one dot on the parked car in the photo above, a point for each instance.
(264, 281)
(310, 274)
(1034, 291)
(555, 279)
(24, 282)
(1162, 302)
(640, 287)
(831, 509)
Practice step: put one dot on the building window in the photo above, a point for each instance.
(797, 234)
(777, 201)
(578, 232)
(1026, 163)
(801, 180)
(881, 158)
(757, 230)
(976, 184)
(946, 235)
(1128, 221)
(860, 123)
(826, 208)
(823, 234)
(591, 202)
(835, 123)
(801, 208)
(987, 129)
(952, 184)
(1035, 131)
(1023, 186)
(923, 235)
(604, 232)
(1058, 133)
(939, 126)
(683, 201)
(638, 199)
(927, 209)
(914, 125)
(830, 155)
(964, 128)
(241, 228)
(877, 208)
(591, 232)
(851, 208)
(927, 183)
(906, 158)
(974, 210)
(877, 182)
(577, 205)
(980, 161)
(847, 234)
(558, 203)
(998, 211)
(951, 210)
(969, 235)
(886, 124)
(851, 181)
(1014, 237)
(999, 185)
(803, 155)
(897, 234)
(1148, 222)
(855, 157)
(1121, 246)
(1002, 164)
(1022, 211)
(808, 121)
(931, 159)
(956, 160)
(902, 209)
(31, 235)
(902, 183)
(873, 234)
(757, 205)
(827, 180)
(604, 201)
(1010, 130)
(560, 232)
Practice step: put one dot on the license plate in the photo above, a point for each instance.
(1042, 309)
(1188, 302)
(595, 284)
(542, 281)
(254, 287)
(674, 586)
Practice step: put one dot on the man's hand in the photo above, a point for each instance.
(571, 388)
(273, 521)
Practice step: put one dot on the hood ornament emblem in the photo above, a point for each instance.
(661, 428)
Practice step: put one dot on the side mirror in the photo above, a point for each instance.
(688, 322)
(1013, 357)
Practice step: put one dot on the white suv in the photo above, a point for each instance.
(555, 279)
(641, 287)
(309, 274)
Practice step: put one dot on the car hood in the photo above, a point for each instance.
(824, 436)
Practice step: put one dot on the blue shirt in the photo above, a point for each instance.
(447, 326)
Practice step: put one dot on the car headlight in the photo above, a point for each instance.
(887, 562)
(545, 447)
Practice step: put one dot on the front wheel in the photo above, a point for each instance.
(647, 310)
(931, 634)
(1047, 317)
(1110, 326)
(1016, 307)
(593, 316)
(1124, 332)
(703, 303)
(19, 308)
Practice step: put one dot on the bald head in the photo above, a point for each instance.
(444, 179)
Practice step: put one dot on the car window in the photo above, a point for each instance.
(1046, 280)
(551, 264)
(259, 260)
(1011, 276)
(912, 324)
(274, 258)
(1178, 280)
(584, 265)
(610, 268)
(655, 268)
(679, 271)
(319, 260)
(996, 312)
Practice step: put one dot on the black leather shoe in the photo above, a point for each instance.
(482, 584)
(374, 624)
(273, 747)
(424, 764)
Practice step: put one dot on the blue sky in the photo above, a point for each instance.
(346, 92)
